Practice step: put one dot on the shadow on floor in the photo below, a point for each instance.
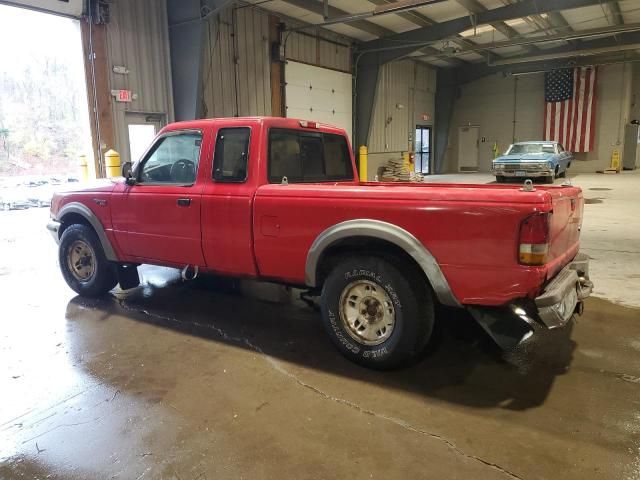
(462, 364)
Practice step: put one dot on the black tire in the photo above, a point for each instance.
(548, 179)
(410, 298)
(103, 276)
(501, 179)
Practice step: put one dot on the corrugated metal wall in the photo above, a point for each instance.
(406, 91)
(319, 50)
(138, 39)
(236, 64)
(237, 61)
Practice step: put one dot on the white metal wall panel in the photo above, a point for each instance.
(138, 39)
(219, 79)
(321, 51)
(390, 122)
(253, 62)
(406, 92)
(319, 94)
(236, 65)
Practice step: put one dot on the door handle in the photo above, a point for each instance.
(184, 202)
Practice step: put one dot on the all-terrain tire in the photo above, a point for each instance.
(90, 274)
(395, 286)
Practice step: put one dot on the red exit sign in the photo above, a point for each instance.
(122, 95)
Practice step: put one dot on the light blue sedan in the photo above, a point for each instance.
(532, 159)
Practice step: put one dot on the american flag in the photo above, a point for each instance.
(570, 107)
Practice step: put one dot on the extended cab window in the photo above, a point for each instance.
(308, 156)
(230, 156)
(173, 159)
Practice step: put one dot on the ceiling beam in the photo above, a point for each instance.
(316, 7)
(415, 39)
(477, 71)
(410, 16)
(623, 41)
(614, 14)
(474, 7)
(423, 21)
(594, 52)
(561, 37)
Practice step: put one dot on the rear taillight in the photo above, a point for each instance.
(534, 239)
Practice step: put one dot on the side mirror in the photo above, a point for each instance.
(127, 173)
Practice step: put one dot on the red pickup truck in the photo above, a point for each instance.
(279, 200)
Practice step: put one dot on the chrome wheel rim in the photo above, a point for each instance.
(81, 261)
(367, 312)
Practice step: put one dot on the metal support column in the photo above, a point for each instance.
(446, 94)
(367, 68)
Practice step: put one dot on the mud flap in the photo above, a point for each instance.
(506, 328)
(127, 276)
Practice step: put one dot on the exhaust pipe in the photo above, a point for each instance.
(189, 273)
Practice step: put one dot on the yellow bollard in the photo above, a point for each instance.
(112, 163)
(406, 161)
(84, 168)
(363, 154)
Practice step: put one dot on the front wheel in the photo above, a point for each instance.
(83, 263)
(378, 313)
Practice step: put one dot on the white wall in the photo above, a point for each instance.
(491, 103)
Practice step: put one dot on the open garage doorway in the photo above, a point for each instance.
(44, 117)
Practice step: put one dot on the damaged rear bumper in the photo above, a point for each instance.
(560, 299)
(565, 293)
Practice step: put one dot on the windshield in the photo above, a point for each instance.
(531, 148)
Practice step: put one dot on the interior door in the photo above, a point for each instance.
(468, 146)
(157, 220)
(141, 130)
(422, 152)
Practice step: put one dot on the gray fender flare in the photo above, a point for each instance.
(84, 211)
(383, 231)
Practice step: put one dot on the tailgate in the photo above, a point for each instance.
(566, 222)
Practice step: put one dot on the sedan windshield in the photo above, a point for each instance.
(520, 148)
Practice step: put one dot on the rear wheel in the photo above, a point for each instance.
(378, 313)
(83, 263)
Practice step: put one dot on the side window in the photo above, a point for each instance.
(230, 156)
(173, 160)
(338, 162)
(303, 156)
(284, 156)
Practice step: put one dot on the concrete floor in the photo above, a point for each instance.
(197, 381)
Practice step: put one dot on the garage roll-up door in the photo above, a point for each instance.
(69, 8)
(318, 94)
